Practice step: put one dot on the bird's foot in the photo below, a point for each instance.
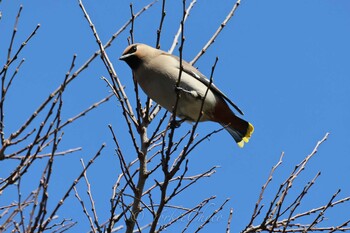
(176, 123)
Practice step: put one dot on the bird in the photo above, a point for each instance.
(157, 73)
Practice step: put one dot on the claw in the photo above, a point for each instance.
(176, 123)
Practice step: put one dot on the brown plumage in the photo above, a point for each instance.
(157, 73)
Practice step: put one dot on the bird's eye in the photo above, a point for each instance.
(133, 49)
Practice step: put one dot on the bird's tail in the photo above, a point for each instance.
(239, 129)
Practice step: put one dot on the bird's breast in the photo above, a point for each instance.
(160, 85)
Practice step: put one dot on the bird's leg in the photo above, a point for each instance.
(177, 123)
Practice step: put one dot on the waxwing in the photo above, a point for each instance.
(157, 73)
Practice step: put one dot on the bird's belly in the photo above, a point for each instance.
(161, 89)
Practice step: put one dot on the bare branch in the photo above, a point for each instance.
(9, 62)
(84, 209)
(216, 34)
(212, 215)
(161, 24)
(176, 37)
(275, 220)
(258, 206)
(92, 202)
(60, 203)
(122, 97)
(228, 228)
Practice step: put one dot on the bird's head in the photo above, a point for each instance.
(134, 55)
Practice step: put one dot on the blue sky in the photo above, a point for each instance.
(285, 63)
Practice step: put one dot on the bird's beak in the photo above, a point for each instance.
(125, 56)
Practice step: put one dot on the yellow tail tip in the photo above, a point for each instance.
(247, 136)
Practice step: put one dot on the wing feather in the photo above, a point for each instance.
(190, 70)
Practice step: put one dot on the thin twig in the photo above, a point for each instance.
(228, 228)
(187, 212)
(176, 37)
(92, 202)
(258, 207)
(9, 62)
(216, 34)
(212, 215)
(60, 203)
(84, 210)
(160, 25)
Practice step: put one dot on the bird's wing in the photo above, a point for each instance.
(190, 70)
